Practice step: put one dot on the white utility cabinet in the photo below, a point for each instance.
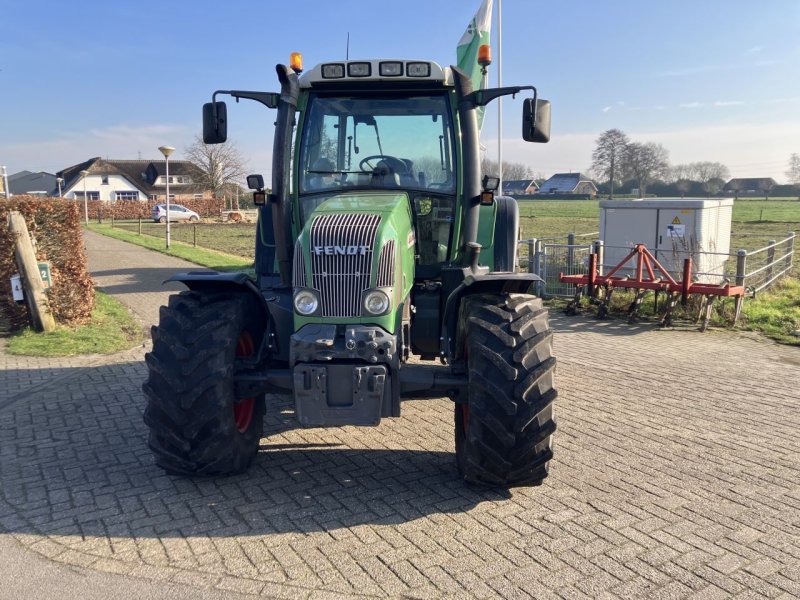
(672, 229)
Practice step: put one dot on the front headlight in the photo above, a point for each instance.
(306, 302)
(376, 302)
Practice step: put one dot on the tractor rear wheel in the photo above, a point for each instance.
(503, 430)
(197, 425)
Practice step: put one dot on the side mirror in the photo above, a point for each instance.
(536, 120)
(255, 182)
(215, 126)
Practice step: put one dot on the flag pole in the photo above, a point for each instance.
(500, 84)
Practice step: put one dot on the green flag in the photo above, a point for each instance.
(476, 35)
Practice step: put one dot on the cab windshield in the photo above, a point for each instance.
(377, 142)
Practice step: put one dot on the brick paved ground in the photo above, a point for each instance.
(677, 474)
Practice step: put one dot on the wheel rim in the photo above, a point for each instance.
(243, 410)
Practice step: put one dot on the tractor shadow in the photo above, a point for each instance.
(74, 461)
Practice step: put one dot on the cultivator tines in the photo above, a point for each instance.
(648, 275)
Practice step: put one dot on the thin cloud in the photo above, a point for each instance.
(728, 103)
(691, 104)
(754, 50)
(606, 109)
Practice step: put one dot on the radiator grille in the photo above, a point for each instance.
(299, 267)
(386, 265)
(341, 261)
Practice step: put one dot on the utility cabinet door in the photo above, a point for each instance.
(677, 238)
(624, 227)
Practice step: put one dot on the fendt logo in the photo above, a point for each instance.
(340, 250)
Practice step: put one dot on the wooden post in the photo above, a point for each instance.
(41, 316)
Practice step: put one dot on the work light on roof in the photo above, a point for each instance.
(359, 69)
(418, 69)
(333, 71)
(391, 69)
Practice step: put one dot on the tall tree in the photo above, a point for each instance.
(222, 165)
(608, 157)
(710, 174)
(645, 163)
(793, 174)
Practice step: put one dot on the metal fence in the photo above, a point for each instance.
(758, 269)
(753, 269)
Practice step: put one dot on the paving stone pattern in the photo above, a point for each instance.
(677, 474)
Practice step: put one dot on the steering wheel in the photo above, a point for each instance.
(393, 163)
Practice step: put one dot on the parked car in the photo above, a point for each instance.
(176, 213)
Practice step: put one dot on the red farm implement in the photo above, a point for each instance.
(647, 274)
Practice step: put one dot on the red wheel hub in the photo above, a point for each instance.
(243, 409)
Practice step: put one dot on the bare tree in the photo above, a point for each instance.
(645, 163)
(511, 171)
(713, 186)
(711, 175)
(222, 165)
(793, 174)
(608, 157)
(735, 186)
(765, 185)
(681, 173)
(683, 185)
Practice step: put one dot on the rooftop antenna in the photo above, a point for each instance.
(140, 154)
(347, 53)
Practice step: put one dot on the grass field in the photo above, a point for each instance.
(754, 222)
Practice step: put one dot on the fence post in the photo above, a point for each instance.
(741, 266)
(599, 251)
(790, 249)
(537, 265)
(531, 252)
(571, 253)
(140, 225)
(194, 235)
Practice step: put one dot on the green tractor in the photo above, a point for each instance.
(385, 269)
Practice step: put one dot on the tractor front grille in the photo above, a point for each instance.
(386, 265)
(299, 267)
(341, 261)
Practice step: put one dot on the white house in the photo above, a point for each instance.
(132, 180)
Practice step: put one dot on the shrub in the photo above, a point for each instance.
(55, 225)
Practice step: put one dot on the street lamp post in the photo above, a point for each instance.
(166, 151)
(59, 181)
(84, 173)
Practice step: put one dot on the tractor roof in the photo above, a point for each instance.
(359, 72)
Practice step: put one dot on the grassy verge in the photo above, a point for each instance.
(113, 329)
(212, 259)
(775, 312)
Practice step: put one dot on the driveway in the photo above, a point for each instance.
(676, 474)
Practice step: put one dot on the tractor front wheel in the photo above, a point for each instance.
(197, 425)
(503, 430)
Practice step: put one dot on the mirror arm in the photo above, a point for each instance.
(268, 99)
(483, 97)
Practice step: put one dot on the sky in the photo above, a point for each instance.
(710, 80)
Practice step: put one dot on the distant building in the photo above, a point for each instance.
(750, 185)
(33, 184)
(569, 183)
(520, 187)
(133, 180)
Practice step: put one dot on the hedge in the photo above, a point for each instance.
(55, 225)
(134, 209)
